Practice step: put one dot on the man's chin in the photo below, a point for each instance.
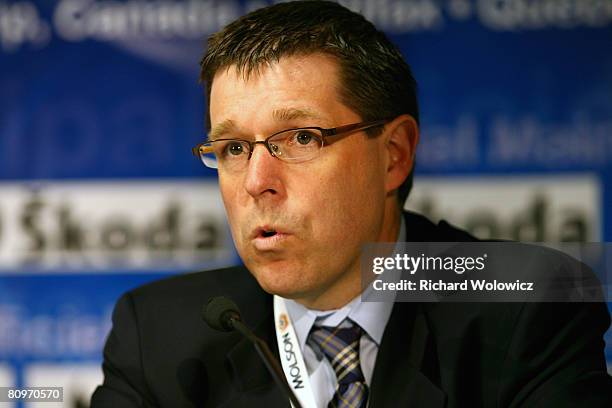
(288, 284)
(286, 293)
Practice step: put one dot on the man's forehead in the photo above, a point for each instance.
(250, 71)
(308, 74)
(302, 88)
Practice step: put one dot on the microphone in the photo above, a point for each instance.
(221, 313)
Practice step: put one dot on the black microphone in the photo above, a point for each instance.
(222, 314)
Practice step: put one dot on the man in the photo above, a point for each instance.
(313, 128)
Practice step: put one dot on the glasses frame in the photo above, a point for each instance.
(201, 148)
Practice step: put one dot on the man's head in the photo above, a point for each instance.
(305, 64)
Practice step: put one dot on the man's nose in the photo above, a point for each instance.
(263, 173)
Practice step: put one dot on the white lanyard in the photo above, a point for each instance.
(291, 355)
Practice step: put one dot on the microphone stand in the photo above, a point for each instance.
(268, 358)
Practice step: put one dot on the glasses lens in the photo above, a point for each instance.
(297, 145)
(206, 154)
(225, 154)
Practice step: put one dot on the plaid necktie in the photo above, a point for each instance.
(341, 347)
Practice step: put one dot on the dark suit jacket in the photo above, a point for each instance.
(161, 354)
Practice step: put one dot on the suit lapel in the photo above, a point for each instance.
(406, 370)
(253, 381)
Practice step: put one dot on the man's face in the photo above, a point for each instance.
(320, 211)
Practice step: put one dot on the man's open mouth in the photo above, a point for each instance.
(268, 233)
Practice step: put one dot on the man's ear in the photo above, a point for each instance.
(401, 139)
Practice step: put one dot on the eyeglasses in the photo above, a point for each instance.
(291, 145)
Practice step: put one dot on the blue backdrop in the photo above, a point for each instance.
(104, 96)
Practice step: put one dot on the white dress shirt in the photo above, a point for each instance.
(372, 317)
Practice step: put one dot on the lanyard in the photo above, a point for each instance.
(291, 355)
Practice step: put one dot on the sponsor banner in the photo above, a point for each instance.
(528, 208)
(50, 325)
(27, 23)
(483, 110)
(106, 226)
(59, 317)
(523, 141)
(165, 225)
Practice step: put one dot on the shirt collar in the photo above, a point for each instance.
(371, 316)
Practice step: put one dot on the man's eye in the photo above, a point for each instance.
(304, 137)
(234, 149)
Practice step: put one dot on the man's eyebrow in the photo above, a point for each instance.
(288, 114)
(280, 115)
(224, 127)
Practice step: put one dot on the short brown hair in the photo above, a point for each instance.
(375, 80)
